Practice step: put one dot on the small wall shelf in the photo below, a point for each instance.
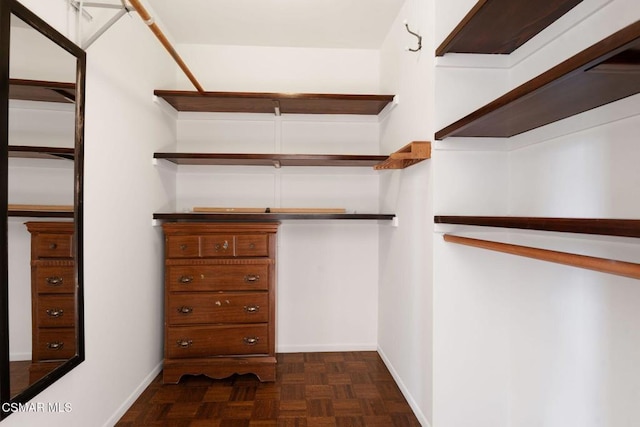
(603, 227)
(277, 103)
(261, 217)
(410, 154)
(502, 26)
(39, 90)
(605, 72)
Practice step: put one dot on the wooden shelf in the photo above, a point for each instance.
(277, 103)
(604, 227)
(410, 154)
(605, 72)
(40, 211)
(276, 160)
(251, 217)
(502, 26)
(29, 152)
(39, 90)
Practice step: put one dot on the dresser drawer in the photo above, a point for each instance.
(183, 246)
(218, 307)
(54, 343)
(52, 246)
(207, 341)
(252, 245)
(55, 311)
(221, 277)
(217, 245)
(55, 279)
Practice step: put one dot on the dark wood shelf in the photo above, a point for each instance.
(605, 72)
(276, 103)
(604, 227)
(29, 152)
(39, 90)
(40, 214)
(276, 160)
(502, 26)
(251, 217)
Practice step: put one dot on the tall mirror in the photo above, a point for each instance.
(41, 122)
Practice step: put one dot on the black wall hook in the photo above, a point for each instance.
(418, 36)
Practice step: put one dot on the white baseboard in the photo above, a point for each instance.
(407, 395)
(133, 396)
(317, 348)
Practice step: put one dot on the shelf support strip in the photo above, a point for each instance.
(603, 265)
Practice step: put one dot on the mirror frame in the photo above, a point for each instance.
(8, 8)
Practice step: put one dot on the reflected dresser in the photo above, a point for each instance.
(53, 290)
(219, 299)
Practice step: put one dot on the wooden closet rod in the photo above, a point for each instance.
(167, 45)
(603, 265)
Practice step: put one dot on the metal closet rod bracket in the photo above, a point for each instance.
(80, 6)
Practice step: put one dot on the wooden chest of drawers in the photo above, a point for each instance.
(53, 290)
(219, 300)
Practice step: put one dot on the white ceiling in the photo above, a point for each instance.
(355, 24)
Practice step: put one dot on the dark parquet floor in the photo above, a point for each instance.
(345, 389)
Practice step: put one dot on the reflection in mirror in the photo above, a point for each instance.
(41, 123)
(41, 119)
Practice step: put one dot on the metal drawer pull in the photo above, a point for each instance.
(251, 308)
(224, 246)
(53, 245)
(252, 245)
(185, 310)
(251, 278)
(56, 345)
(184, 343)
(183, 247)
(55, 312)
(250, 340)
(185, 279)
(54, 281)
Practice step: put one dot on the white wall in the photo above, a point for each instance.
(406, 257)
(123, 252)
(520, 342)
(281, 69)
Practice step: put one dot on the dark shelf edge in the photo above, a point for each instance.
(63, 153)
(457, 32)
(241, 159)
(41, 214)
(274, 95)
(250, 217)
(596, 226)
